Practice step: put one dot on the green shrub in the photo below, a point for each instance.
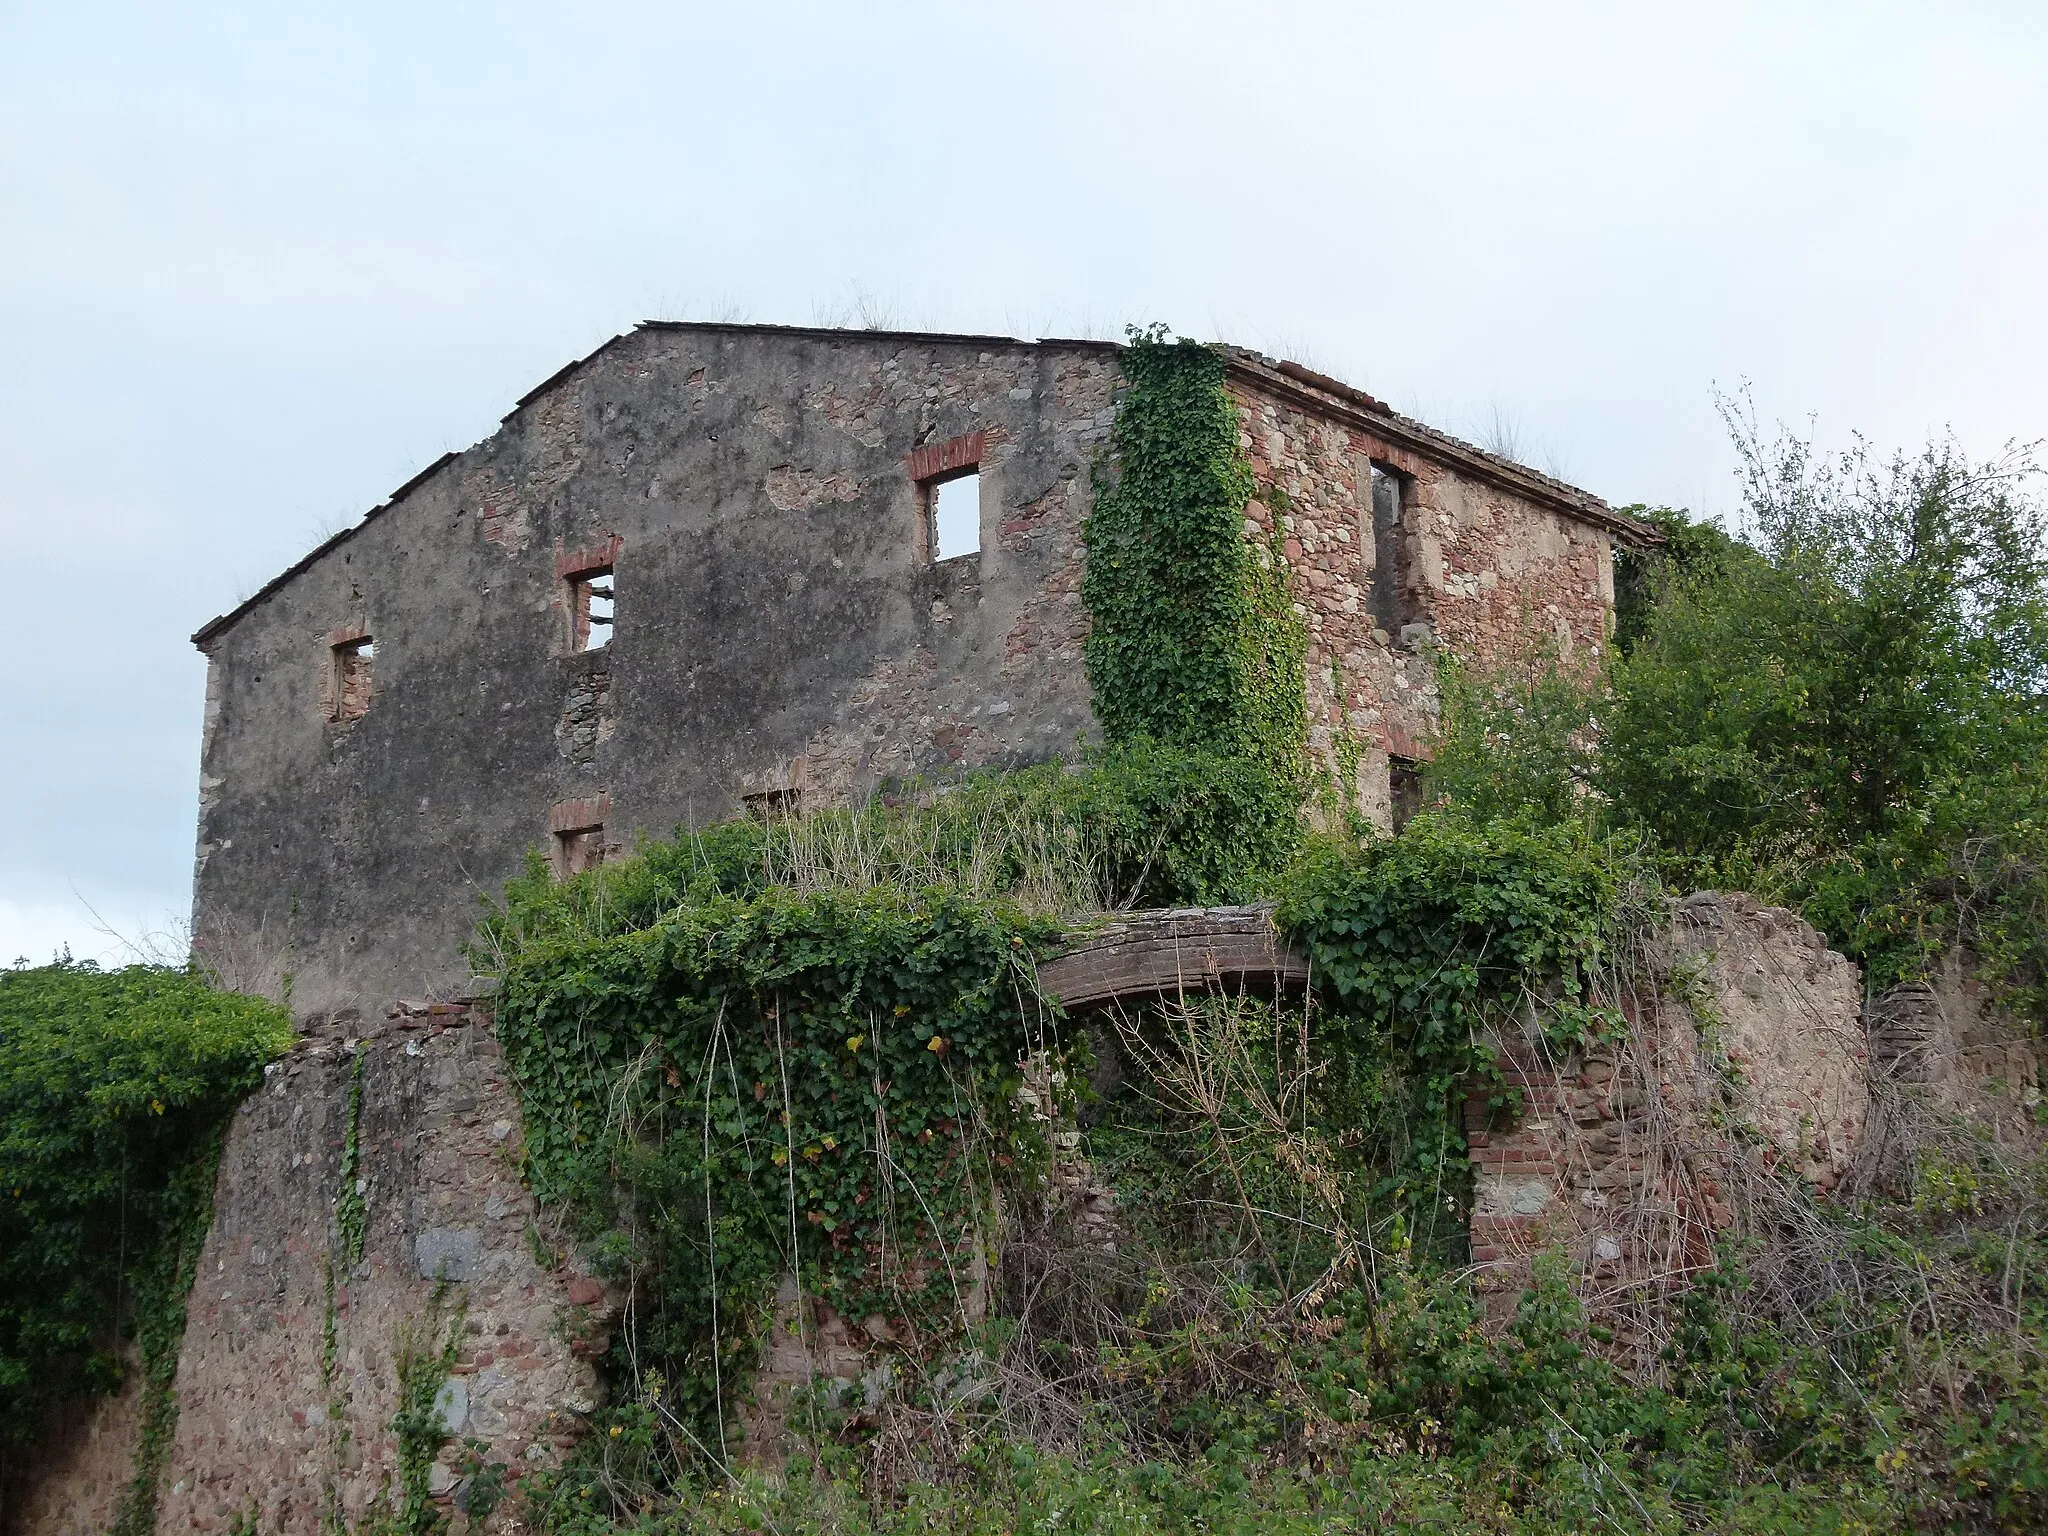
(114, 1087)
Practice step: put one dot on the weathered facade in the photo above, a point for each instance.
(396, 720)
(701, 571)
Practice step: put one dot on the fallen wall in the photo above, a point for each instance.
(1622, 1157)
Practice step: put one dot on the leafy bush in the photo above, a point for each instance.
(1852, 714)
(1137, 825)
(813, 1085)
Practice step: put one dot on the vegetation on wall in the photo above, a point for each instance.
(811, 1054)
(1846, 711)
(1193, 642)
(115, 1087)
(813, 1084)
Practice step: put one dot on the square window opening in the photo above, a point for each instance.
(956, 516)
(591, 609)
(577, 850)
(348, 695)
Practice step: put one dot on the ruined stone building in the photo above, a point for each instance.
(713, 568)
(717, 566)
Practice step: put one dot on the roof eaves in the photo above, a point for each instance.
(848, 333)
(213, 628)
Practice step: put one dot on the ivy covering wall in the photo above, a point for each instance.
(1193, 645)
(115, 1089)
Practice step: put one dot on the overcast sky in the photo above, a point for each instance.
(256, 270)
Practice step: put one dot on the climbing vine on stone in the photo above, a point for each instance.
(115, 1088)
(1194, 640)
(818, 1087)
(1423, 941)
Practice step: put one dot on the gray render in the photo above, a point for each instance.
(773, 600)
(761, 497)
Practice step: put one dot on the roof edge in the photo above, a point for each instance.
(1304, 385)
(859, 333)
(1318, 391)
(214, 628)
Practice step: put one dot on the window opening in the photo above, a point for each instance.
(349, 679)
(591, 608)
(1404, 789)
(578, 850)
(1390, 597)
(774, 804)
(956, 516)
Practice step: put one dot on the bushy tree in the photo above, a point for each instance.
(1845, 708)
(1853, 715)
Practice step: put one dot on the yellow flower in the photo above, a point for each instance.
(938, 1044)
(855, 1042)
(157, 1105)
(615, 1431)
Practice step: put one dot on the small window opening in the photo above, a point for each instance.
(349, 683)
(774, 804)
(1391, 600)
(1404, 789)
(591, 608)
(578, 850)
(956, 517)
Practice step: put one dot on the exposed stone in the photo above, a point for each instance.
(447, 1253)
(255, 1406)
(755, 493)
(1615, 1155)
(451, 1405)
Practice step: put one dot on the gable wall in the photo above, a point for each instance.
(778, 624)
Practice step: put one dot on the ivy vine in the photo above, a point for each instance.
(1194, 639)
(1422, 942)
(115, 1090)
(819, 1087)
(351, 1207)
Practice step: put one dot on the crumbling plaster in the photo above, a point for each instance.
(780, 625)
(1489, 573)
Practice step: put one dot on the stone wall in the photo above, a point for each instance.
(778, 622)
(1622, 1158)
(70, 1483)
(760, 497)
(287, 1382)
(1945, 1038)
(1492, 559)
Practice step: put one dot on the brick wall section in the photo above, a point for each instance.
(1490, 572)
(439, 1137)
(1607, 1164)
(1620, 1157)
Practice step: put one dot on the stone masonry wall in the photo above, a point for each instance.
(1488, 573)
(70, 1482)
(287, 1385)
(778, 622)
(1621, 1157)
